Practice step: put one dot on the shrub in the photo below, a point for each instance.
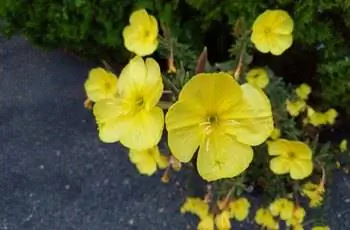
(85, 27)
(243, 130)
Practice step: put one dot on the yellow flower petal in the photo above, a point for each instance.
(109, 117)
(144, 161)
(303, 91)
(280, 43)
(252, 118)
(184, 132)
(239, 209)
(282, 22)
(100, 85)
(331, 115)
(222, 221)
(343, 146)
(143, 130)
(197, 207)
(301, 169)
(206, 223)
(215, 92)
(278, 147)
(275, 134)
(221, 156)
(280, 165)
(294, 108)
(132, 78)
(153, 85)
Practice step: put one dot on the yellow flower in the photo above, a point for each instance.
(206, 224)
(282, 207)
(100, 85)
(297, 217)
(331, 115)
(239, 209)
(141, 35)
(272, 32)
(148, 160)
(195, 206)
(223, 119)
(320, 228)
(275, 134)
(294, 108)
(343, 146)
(222, 221)
(264, 218)
(258, 77)
(292, 157)
(303, 91)
(133, 118)
(314, 192)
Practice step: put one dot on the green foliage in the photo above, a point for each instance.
(87, 28)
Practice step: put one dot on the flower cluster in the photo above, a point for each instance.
(231, 130)
(237, 209)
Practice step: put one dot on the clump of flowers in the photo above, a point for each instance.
(242, 135)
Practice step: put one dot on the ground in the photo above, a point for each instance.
(54, 172)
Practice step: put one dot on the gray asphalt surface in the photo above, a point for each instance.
(56, 175)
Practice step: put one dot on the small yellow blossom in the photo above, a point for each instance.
(331, 115)
(337, 164)
(272, 32)
(222, 118)
(292, 157)
(297, 217)
(282, 207)
(320, 228)
(343, 146)
(195, 206)
(275, 134)
(141, 36)
(314, 192)
(294, 108)
(133, 117)
(222, 221)
(264, 218)
(239, 209)
(258, 77)
(303, 91)
(148, 160)
(100, 85)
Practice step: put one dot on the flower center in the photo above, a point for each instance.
(107, 85)
(291, 155)
(267, 31)
(139, 102)
(213, 119)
